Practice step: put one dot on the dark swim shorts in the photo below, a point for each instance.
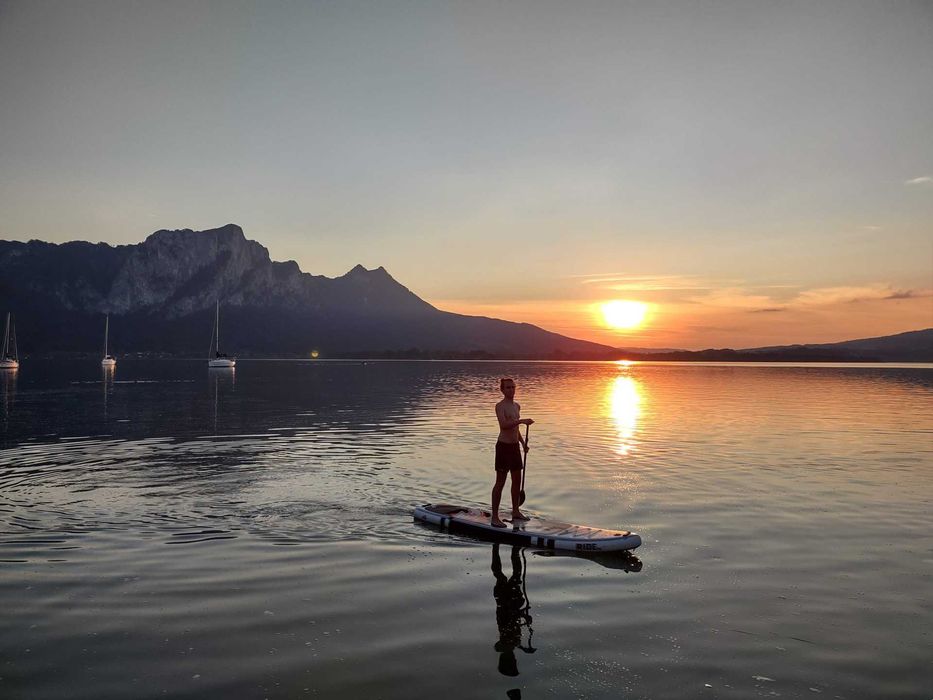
(508, 456)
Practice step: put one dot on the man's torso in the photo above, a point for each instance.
(510, 411)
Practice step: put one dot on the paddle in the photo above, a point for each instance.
(521, 499)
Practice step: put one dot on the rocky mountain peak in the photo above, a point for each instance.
(357, 271)
(182, 268)
(376, 274)
(212, 241)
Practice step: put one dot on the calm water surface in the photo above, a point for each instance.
(173, 531)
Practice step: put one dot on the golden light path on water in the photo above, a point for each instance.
(624, 400)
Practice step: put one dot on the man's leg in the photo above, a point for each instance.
(517, 494)
(497, 497)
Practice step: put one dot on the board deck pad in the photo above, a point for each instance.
(536, 532)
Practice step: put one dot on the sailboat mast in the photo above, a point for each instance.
(217, 324)
(6, 336)
(106, 333)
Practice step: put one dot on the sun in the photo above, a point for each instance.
(624, 314)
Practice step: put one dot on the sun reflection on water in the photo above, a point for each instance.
(624, 399)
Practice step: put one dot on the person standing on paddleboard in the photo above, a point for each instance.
(508, 451)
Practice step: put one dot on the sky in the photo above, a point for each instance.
(755, 172)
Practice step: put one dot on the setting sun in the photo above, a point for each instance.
(624, 314)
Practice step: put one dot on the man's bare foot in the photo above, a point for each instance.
(517, 515)
(496, 522)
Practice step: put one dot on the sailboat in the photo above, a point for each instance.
(8, 356)
(216, 358)
(109, 360)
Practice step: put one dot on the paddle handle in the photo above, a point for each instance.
(525, 451)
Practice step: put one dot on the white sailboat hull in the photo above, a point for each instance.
(108, 362)
(9, 364)
(222, 362)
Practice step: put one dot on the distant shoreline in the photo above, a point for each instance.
(653, 359)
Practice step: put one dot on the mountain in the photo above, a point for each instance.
(912, 346)
(161, 295)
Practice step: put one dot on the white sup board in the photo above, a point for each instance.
(537, 532)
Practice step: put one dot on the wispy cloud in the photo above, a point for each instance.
(922, 180)
(849, 295)
(735, 298)
(757, 301)
(907, 294)
(637, 287)
(622, 281)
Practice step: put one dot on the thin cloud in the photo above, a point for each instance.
(597, 275)
(744, 299)
(658, 283)
(669, 281)
(648, 283)
(851, 295)
(647, 287)
(622, 277)
(922, 180)
(735, 298)
(907, 294)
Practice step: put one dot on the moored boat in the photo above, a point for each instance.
(216, 358)
(9, 358)
(108, 360)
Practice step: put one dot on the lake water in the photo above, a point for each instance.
(170, 531)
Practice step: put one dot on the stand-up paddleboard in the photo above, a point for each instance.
(536, 532)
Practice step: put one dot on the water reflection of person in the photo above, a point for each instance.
(512, 612)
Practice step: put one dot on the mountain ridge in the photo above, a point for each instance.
(908, 346)
(161, 294)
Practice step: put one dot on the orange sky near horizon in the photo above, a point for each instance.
(723, 318)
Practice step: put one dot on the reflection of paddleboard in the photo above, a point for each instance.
(622, 561)
(536, 532)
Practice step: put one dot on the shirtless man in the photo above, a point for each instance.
(508, 453)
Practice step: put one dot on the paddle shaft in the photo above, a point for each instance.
(521, 499)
